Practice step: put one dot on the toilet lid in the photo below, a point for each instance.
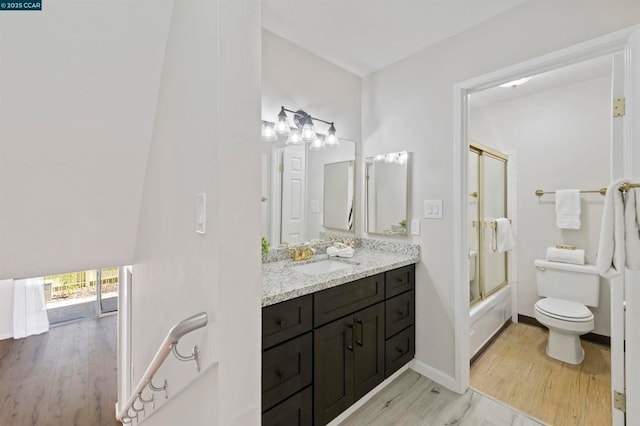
(564, 309)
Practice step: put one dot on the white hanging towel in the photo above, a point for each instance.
(632, 231)
(29, 308)
(611, 247)
(568, 208)
(505, 240)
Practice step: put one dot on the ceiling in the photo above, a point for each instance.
(363, 36)
(572, 74)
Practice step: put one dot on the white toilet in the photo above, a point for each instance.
(567, 290)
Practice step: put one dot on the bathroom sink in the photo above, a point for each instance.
(321, 267)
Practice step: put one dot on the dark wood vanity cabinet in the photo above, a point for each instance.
(349, 361)
(322, 352)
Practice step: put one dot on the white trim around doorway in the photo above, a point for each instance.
(608, 44)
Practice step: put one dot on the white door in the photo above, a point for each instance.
(293, 194)
(625, 290)
(617, 284)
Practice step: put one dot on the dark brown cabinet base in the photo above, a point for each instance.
(323, 352)
(294, 411)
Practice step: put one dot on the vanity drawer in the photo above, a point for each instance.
(286, 369)
(399, 350)
(345, 299)
(400, 280)
(295, 411)
(400, 313)
(285, 320)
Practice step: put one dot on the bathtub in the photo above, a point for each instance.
(487, 317)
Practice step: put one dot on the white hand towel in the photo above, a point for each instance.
(568, 208)
(332, 251)
(611, 250)
(555, 254)
(632, 232)
(504, 235)
(346, 252)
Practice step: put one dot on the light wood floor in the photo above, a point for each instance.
(414, 400)
(61, 378)
(516, 370)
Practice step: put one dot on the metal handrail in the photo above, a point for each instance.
(169, 345)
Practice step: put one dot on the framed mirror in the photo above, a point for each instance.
(305, 192)
(386, 193)
(338, 195)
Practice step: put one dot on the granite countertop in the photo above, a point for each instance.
(280, 282)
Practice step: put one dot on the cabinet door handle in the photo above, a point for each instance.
(349, 339)
(279, 373)
(282, 323)
(360, 341)
(400, 350)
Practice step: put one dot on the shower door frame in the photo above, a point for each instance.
(483, 150)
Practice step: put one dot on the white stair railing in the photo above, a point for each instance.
(129, 411)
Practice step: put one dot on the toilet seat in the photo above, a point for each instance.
(563, 310)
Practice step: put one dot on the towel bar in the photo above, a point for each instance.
(601, 191)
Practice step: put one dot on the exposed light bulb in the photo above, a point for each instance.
(294, 138)
(308, 131)
(331, 140)
(268, 134)
(282, 124)
(317, 144)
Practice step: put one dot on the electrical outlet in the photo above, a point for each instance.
(415, 226)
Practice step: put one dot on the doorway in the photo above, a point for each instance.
(78, 295)
(613, 44)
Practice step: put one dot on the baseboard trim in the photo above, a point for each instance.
(6, 336)
(434, 374)
(359, 403)
(589, 337)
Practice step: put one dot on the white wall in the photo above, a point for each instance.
(205, 139)
(78, 83)
(297, 79)
(409, 106)
(562, 140)
(6, 309)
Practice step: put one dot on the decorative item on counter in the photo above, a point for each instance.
(340, 250)
(265, 246)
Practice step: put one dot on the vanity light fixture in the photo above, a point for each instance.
(282, 124)
(268, 133)
(515, 83)
(303, 131)
(331, 139)
(318, 144)
(295, 138)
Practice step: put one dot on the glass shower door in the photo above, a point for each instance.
(494, 199)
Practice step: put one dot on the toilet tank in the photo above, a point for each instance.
(577, 283)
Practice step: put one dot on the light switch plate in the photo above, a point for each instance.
(201, 213)
(433, 209)
(415, 226)
(315, 206)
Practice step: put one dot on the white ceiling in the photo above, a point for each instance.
(363, 36)
(572, 74)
